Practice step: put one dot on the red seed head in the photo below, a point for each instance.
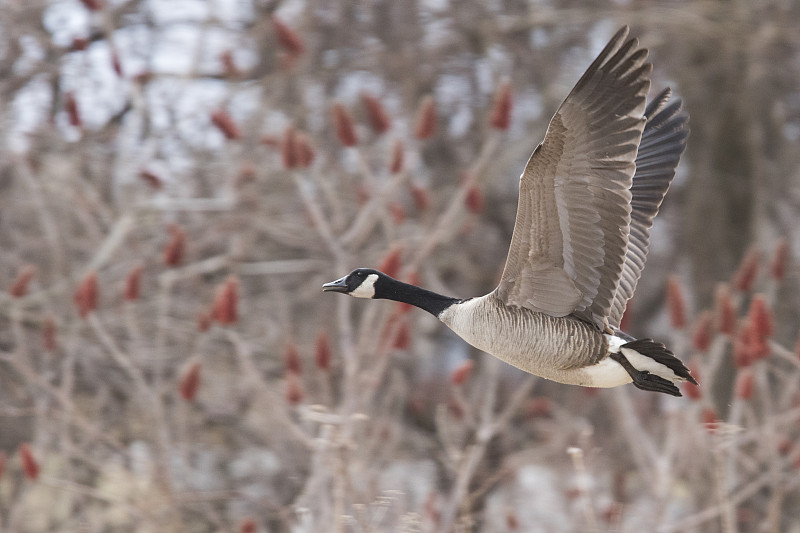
(289, 148)
(19, 288)
(676, 303)
(288, 38)
(742, 353)
(225, 124)
(779, 260)
(345, 128)
(512, 522)
(49, 334)
(501, 108)
(151, 178)
(724, 310)
(748, 271)
(80, 43)
(304, 153)
(190, 382)
(294, 388)
(228, 63)
(226, 299)
(173, 251)
(784, 446)
(761, 317)
(749, 344)
(613, 513)
(291, 358)
(744, 383)
(462, 372)
(29, 464)
(701, 339)
(475, 201)
(398, 152)
(71, 107)
(143, 77)
(426, 119)
(93, 5)
(390, 265)
(132, 283)
(398, 212)
(693, 391)
(322, 351)
(420, 195)
(378, 118)
(86, 295)
(710, 419)
(116, 65)
(248, 525)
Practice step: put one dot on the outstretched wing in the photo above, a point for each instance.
(571, 231)
(663, 142)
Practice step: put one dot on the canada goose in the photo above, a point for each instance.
(588, 196)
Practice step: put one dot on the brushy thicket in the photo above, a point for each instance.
(168, 361)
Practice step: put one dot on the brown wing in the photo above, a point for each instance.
(571, 232)
(663, 142)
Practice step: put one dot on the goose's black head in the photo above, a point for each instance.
(361, 283)
(371, 283)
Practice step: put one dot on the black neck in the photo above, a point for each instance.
(432, 302)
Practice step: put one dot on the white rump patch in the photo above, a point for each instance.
(614, 343)
(606, 374)
(367, 287)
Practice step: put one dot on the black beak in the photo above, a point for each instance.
(336, 286)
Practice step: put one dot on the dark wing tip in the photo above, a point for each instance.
(657, 104)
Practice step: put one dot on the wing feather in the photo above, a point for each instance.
(663, 142)
(571, 231)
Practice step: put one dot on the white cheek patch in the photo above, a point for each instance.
(367, 287)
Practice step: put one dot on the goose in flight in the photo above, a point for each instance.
(587, 199)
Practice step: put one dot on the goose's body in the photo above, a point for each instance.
(565, 349)
(588, 196)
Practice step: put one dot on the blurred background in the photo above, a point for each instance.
(178, 179)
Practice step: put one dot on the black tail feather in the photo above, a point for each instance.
(661, 354)
(645, 380)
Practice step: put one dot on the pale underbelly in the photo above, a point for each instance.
(602, 374)
(559, 349)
